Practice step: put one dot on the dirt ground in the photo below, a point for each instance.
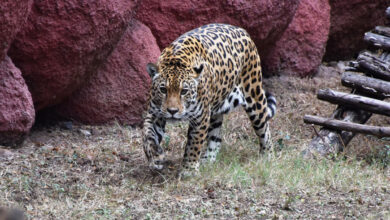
(70, 171)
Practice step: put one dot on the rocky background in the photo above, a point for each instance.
(85, 60)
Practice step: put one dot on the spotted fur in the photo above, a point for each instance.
(201, 76)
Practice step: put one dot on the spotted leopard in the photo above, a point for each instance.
(199, 77)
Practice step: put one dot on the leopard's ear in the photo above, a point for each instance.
(198, 70)
(152, 69)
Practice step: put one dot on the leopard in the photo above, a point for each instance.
(200, 77)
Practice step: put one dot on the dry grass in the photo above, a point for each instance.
(64, 174)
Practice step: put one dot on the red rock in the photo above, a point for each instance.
(265, 20)
(350, 19)
(119, 89)
(13, 15)
(17, 112)
(64, 42)
(302, 45)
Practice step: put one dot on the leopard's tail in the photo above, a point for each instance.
(271, 104)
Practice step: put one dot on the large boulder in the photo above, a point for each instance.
(64, 42)
(17, 112)
(265, 20)
(120, 87)
(350, 19)
(302, 46)
(13, 15)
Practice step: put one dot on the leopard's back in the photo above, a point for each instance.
(231, 53)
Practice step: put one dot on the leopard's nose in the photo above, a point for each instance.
(172, 110)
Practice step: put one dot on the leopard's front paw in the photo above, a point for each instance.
(157, 163)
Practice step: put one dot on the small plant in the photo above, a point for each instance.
(380, 156)
(167, 139)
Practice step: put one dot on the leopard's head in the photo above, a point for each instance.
(174, 90)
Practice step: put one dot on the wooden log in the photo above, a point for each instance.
(377, 67)
(354, 101)
(377, 40)
(329, 141)
(366, 84)
(347, 126)
(384, 57)
(382, 30)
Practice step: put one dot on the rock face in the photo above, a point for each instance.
(119, 89)
(13, 15)
(265, 20)
(350, 19)
(17, 112)
(84, 58)
(302, 46)
(64, 42)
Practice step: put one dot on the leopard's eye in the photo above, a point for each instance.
(184, 91)
(163, 90)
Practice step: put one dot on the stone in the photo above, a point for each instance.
(350, 19)
(264, 20)
(64, 42)
(300, 49)
(17, 112)
(11, 214)
(66, 125)
(13, 15)
(119, 90)
(85, 132)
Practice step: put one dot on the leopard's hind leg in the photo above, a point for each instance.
(259, 105)
(258, 114)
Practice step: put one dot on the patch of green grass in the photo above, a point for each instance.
(287, 169)
(379, 156)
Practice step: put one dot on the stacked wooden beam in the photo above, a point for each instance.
(369, 78)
